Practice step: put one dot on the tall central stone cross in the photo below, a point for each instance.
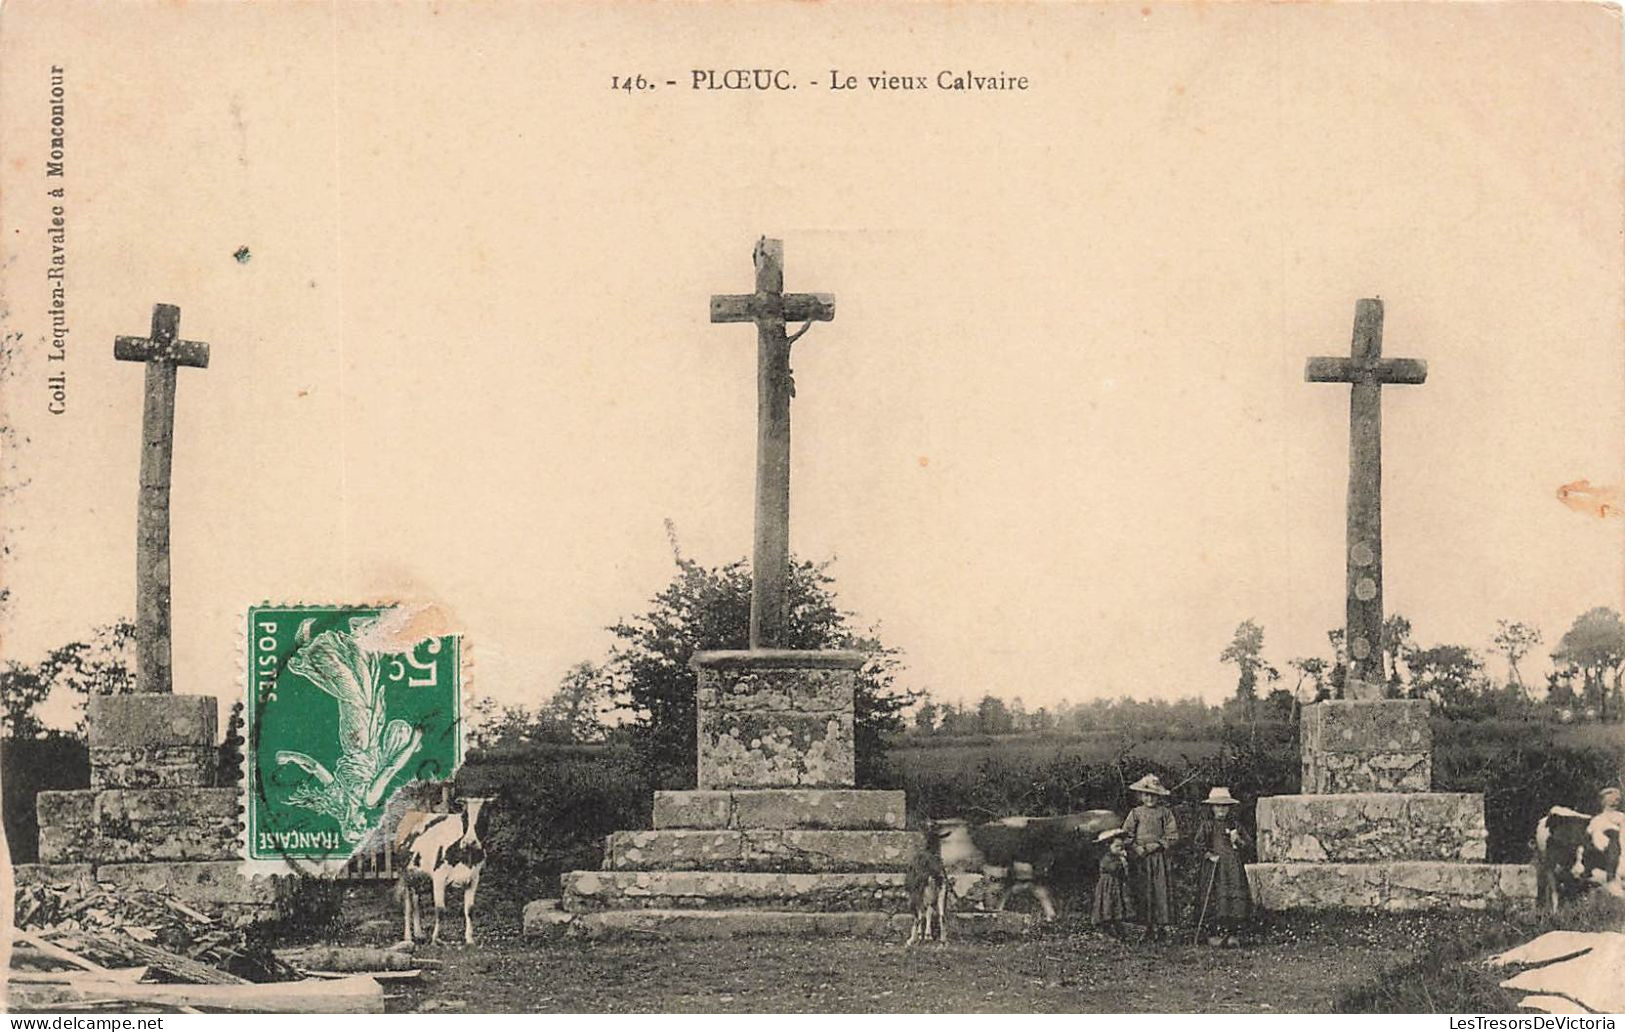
(1367, 371)
(770, 308)
(163, 353)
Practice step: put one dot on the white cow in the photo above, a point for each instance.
(444, 849)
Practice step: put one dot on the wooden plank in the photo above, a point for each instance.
(356, 994)
(356, 959)
(174, 963)
(55, 952)
(134, 974)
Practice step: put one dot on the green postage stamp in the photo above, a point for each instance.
(346, 704)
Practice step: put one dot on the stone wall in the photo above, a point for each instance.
(1371, 827)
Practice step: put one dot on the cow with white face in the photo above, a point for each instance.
(442, 849)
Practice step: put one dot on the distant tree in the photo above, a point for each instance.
(925, 718)
(1338, 677)
(1043, 720)
(102, 664)
(1312, 683)
(1560, 693)
(1246, 651)
(1019, 719)
(491, 725)
(1451, 675)
(993, 716)
(709, 608)
(573, 713)
(1396, 648)
(1514, 640)
(1595, 644)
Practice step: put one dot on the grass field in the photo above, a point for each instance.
(942, 755)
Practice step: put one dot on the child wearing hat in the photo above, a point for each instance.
(1112, 910)
(1152, 832)
(1609, 818)
(1226, 902)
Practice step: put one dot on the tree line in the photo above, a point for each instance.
(1584, 683)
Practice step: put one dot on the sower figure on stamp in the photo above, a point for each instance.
(1152, 832)
(1226, 902)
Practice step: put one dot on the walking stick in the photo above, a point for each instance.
(1213, 876)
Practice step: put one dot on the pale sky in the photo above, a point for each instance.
(1057, 436)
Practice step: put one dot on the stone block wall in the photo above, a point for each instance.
(1372, 827)
(152, 818)
(776, 718)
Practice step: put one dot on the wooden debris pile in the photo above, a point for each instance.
(124, 928)
(81, 949)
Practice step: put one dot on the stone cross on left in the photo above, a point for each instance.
(163, 353)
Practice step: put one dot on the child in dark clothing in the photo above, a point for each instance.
(1112, 909)
(1224, 875)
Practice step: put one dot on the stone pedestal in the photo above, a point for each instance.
(1367, 833)
(152, 818)
(1352, 745)
(775, 840)
(775, 718)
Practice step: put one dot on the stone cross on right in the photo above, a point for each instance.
(1366, 370)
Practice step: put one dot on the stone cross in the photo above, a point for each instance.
(770, 308)
(1367, 371)
(162, 352)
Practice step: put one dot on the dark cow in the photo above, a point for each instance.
(1575, 851)
(1019, 853)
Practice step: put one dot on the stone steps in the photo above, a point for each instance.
(884, 891)
(543, 918)
(847, 809)
(785, 851)
(1403, 885)
(1372, 827)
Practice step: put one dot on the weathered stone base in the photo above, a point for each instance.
(1371, 826)
(541, 921)
(1350, 745)
(138, 824)
(775, 718)
(586, 891)
(1397, 886)
(216, 881)
(152, 741)
(155, 766)
(787, 851)
(81, 877)
(213, 884)
(832, 808)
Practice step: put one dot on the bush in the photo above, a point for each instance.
(554, 806)
(29, 766)
(1522, 770)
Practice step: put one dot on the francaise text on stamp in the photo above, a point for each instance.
(346, 704)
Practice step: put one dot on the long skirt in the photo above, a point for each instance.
(1154, 889)
(1111, 901)
(1229, 901)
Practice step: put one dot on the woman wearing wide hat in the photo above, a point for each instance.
(1225, 902)
(1151, 833)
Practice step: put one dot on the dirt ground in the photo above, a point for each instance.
(1062, 974)
(1064, 968)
